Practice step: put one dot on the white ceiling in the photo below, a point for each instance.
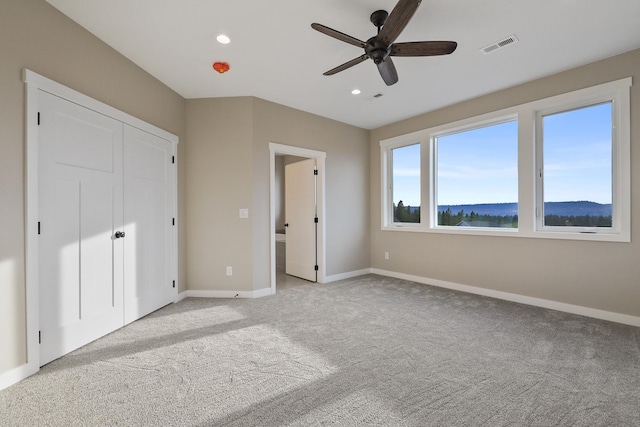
(277, 56)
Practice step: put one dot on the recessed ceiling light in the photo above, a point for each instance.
(356, 92)
(223, 39)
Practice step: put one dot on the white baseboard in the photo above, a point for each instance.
(507, 296)
(223, 294)
(522, 299)
(17, 374)
(347, 275)
(264, 292)
(179, 297)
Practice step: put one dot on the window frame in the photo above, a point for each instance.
(491, 120)
(528, 116)
(386, 155)
(619, 167)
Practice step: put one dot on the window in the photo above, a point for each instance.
(477, 176)
(577, 171)
(406, 183)
(555, 168)
(402, 181)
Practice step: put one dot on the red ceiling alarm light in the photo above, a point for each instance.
(221, 67)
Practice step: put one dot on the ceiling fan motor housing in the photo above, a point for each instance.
(382, 46)
(376, 50)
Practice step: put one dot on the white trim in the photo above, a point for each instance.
(320, 157)
(347, 275)
(32, 285)
(226, 294)
(522, 299)
(528, 193)
(57, 89)
(264, 292)
(176, 246)
(180, 297)
(617, 95)
(290, 150)
(16, 375)
(33, 84)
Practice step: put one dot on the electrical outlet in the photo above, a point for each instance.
(386, 255)
(229, 271)
(244, 213)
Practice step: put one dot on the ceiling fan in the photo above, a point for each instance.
(381, 47)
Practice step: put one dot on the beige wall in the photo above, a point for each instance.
(598, 275)
(228, 158)
(219, 180)
(36, 36)
(280, 162)
(279, 219)
(346, 174)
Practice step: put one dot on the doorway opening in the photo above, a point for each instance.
(310, 243)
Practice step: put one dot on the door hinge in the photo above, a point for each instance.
(174, 283)
(173, 159)
(38, 227)
(315, 171)
(173, 222)
(38, 118)
(315, 267)
(315, 220)
(39, 337)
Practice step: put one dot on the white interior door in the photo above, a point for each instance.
(148, 250)
(300, 214)
(80, 210)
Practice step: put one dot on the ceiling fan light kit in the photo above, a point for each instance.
(381, 47)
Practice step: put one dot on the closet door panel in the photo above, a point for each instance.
(149, 223)
(80, 209)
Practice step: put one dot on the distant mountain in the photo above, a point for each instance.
(493, 209)
(550, 208)
(577, 208)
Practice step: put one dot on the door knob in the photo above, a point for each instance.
(286, 225)
(119, 234)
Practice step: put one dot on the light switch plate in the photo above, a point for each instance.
(244, 213)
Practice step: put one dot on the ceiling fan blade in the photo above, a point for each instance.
(397, 20)
(388, 71)
(430, 48)
(346, 65)
(338, 35)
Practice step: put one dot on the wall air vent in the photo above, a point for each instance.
(499, 44)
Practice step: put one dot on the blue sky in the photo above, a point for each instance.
(480, 166)
(577, 155)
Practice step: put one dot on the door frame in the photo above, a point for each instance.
(33, 84)
(319, 156)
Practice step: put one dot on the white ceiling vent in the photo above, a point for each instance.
(499, 44)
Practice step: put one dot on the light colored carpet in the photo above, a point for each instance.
(365, 351)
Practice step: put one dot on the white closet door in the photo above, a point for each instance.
(300, 212)
(80, 210)
(148, 189)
